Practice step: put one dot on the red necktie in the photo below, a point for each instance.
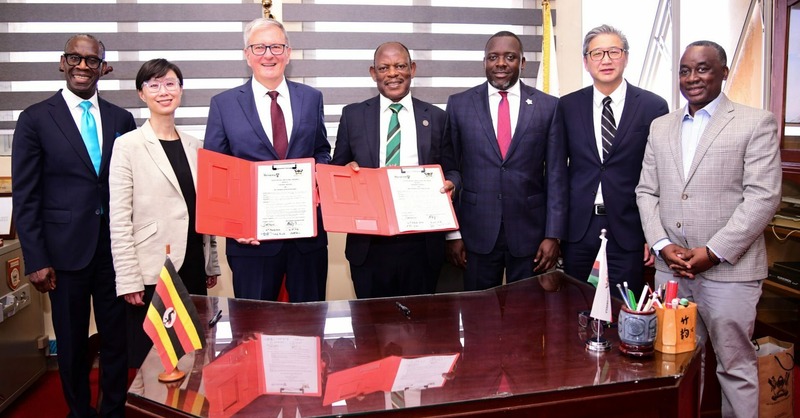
(503, 124)
(279, 139)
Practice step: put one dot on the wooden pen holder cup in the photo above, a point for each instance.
(676, 329)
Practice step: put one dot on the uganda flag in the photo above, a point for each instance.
(172, 321)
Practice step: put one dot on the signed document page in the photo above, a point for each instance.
(423, 372)
(291, 364)
(418, 203)
(285, 201)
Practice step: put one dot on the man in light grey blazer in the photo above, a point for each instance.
(710, 183)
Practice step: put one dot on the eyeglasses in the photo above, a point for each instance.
(261, 49)
(75, 60)
(586, 322)
(598, 54)
(154, 86)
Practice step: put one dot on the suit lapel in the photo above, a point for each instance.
(296, 97)
(371, 119)
(159, 157)
(109, 133)
(675, 143)
(719, 119)
(248, 104)
(586, 115)
(527, 104)
(422, 118)
(63, 118)
(630, 113)
(481, 102)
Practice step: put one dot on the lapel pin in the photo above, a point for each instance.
(425, 122)
(529, 101)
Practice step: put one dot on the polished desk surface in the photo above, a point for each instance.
(516, 340)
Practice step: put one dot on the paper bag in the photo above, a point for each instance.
(775, 368)
(676, 329)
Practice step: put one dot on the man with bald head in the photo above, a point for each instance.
(403, 264)
(59, 165)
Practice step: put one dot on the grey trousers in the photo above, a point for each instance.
(726, 315)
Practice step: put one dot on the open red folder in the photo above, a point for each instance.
(363, 201)
(241, 375)
(389, 374)
(229, 195)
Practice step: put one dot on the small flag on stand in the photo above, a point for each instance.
(601, 306)
(547, 77)
(172, 321)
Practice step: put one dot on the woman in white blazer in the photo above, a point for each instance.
(152, 184)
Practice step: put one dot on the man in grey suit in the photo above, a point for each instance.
(710, 183)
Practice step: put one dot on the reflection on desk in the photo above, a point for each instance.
(519, 346)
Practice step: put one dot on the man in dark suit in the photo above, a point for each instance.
(59, 168)
(512, 194)
(403, 264)
(243, 122)
(603, 175)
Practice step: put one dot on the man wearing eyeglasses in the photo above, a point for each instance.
(605, 127)
(59, 164)
(271, 118)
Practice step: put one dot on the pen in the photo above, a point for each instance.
(404, 309)
(215, 319)
(642, 298)
(624, 298)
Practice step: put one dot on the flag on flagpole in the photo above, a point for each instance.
(547, 77)
(601, 306)
(172, 321)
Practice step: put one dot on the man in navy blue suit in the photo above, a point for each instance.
(603, 174)
(59, 167)
(403, 264)
(512, 194)
(241, 123)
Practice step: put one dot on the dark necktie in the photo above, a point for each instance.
(608, 127)
(503, 124)
(279, 139)
(393, 137)
(89, 135)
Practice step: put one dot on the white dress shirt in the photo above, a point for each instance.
(617, 105)
(408, 131)
(513, 105)
(74, 105)
(264, 103)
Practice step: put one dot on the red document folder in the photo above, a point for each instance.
(237, 378)
(361, 201)
(227, 189)
(376, 376)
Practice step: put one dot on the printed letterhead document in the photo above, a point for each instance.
(285, 207)
(384, 201)
(423, 372)
(291, 364)
(418, 203)
(265, 200)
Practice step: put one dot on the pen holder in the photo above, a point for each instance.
(637, 332)
(676, 329)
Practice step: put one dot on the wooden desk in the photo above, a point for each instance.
(522, 353)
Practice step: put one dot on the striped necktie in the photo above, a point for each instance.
(608, 127)
(393, 137)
